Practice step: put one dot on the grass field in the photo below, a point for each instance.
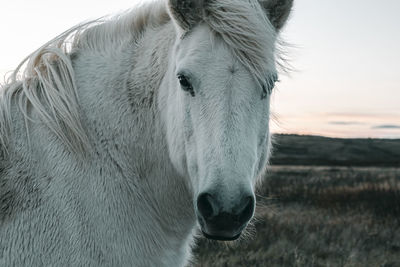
(318, 216)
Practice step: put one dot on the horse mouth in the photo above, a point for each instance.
(220, 237)
(228, 232)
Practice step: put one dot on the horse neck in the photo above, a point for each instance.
(125, 127)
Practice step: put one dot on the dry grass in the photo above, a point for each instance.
(319, 216)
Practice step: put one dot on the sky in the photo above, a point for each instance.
(345, 57)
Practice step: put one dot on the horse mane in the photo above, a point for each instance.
(47, 82)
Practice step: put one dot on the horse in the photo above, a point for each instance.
(125, 138)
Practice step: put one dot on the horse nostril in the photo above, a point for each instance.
(206, 205)
(246, 208)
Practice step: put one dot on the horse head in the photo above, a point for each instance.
(222, 69)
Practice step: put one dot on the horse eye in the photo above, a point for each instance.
(267, 90)
(269, 85)
(185, 84)
(183, 81)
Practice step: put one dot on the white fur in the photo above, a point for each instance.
(103, 154)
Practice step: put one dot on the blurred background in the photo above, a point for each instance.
(332, 194)
(346, 81)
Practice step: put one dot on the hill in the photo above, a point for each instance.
(323, 151)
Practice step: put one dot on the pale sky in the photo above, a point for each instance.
(346, 55)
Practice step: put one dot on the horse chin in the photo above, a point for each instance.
(224, 232)
(221, 238)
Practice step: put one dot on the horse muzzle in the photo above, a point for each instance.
(218, 224)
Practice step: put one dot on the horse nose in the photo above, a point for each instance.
(217, 223)
(207, 206)
(245, 209)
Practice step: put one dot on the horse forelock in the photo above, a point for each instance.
(245, 27)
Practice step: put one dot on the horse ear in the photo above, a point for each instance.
(186, 13)
(278, 11)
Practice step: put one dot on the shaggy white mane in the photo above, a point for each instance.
(47, 82)
(45, 79)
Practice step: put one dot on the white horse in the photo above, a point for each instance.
(122, 137)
